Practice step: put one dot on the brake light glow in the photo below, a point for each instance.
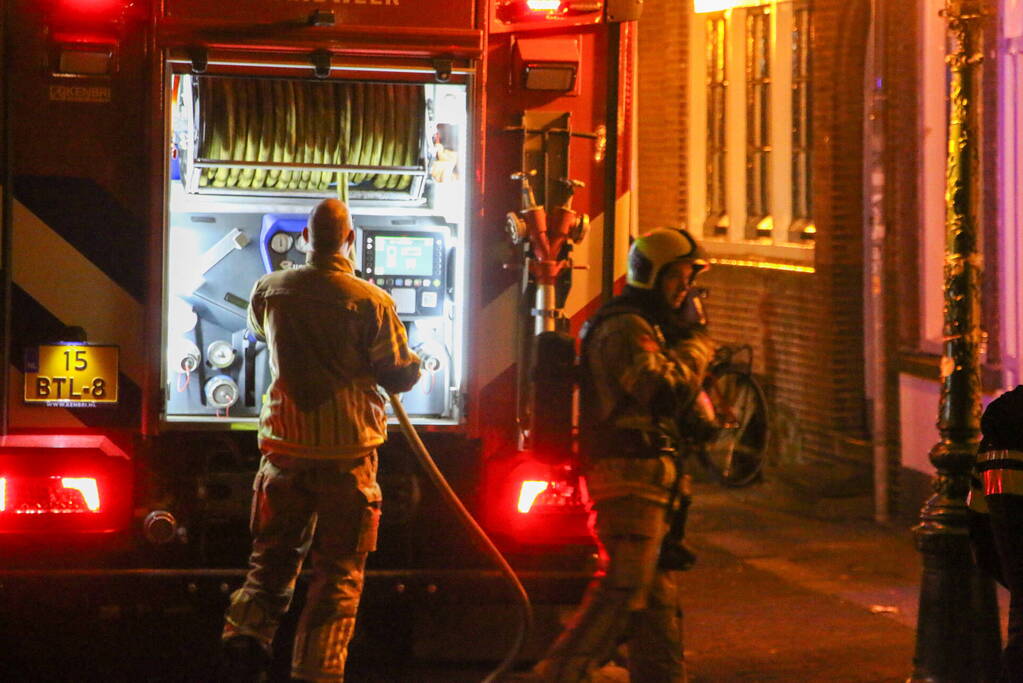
(92, 6)
(528, 493)
(543, 5)
(87, 487)
(48, 495)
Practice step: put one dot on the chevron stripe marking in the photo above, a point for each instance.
(75, 291)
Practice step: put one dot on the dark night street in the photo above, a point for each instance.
(774, 597)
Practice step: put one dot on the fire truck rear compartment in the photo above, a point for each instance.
(249, 157)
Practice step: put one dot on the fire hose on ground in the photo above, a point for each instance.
(470, 523)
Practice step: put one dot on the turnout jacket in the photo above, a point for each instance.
(638, 394)
(332, 339)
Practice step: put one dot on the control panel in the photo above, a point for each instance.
(409, 265)
(217, 368)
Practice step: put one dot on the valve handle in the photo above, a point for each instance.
(570, 187)
(528, 199)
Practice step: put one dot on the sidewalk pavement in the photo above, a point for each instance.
(780, 597)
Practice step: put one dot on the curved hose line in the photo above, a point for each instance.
(451, 498)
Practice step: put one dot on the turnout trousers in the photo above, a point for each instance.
(630, 601)
(1007, 527)
(327, 511)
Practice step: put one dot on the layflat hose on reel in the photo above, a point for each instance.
(464, 516)
(306, 122)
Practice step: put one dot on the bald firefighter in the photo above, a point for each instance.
(641, 398)
(333, 339)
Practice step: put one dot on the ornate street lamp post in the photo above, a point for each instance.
(957, 638)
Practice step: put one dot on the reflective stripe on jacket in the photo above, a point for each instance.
(1000, 472)
(332, 339)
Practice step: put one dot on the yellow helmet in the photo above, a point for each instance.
(650, 253)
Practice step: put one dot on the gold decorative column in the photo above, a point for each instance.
(957, 636)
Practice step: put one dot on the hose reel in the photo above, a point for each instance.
(289, 137)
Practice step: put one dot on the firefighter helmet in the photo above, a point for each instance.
(651, 252)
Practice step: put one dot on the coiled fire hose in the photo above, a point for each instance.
(464, 516)
(301, 122)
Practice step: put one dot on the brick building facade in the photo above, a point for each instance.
(838, 330)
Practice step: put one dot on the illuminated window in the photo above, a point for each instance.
(758, 123)
(802, 127)
(751, 138)
(717, 91)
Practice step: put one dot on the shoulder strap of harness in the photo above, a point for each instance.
(602, 315)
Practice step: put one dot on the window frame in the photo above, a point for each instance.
(802, 226)
(716, 222)
(759, 122)
(729, 236)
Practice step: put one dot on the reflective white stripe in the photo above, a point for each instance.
(74, 290)
(1004, 454)
(586, 283)
(495, 340)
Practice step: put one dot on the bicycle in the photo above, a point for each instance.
(735, 457)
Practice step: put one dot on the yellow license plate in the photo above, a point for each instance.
(74, 375)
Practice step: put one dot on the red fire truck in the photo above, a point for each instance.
(161, 156)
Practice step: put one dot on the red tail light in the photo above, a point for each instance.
(550, 495)
(86, 486)
(532, 507)
(63, 484)
(91, 7)
(528, 494)
(27, 495)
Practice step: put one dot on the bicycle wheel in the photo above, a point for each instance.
(736, 455)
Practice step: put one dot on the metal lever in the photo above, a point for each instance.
(570, 188)
(528, 199)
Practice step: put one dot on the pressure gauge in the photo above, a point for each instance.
(220, 353)
(189, 361)
(281, 242)
(221, 392)
(302, 244)
(183, 356)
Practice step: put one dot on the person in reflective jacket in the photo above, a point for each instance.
(640, 396)
(996, 514)
(333, 339)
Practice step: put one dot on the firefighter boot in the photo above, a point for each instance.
(676, 555)
(243, 660)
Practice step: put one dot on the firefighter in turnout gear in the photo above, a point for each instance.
(996, 514)
(333, 339)
(641, 401)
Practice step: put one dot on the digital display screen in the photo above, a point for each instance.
(403, 255)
